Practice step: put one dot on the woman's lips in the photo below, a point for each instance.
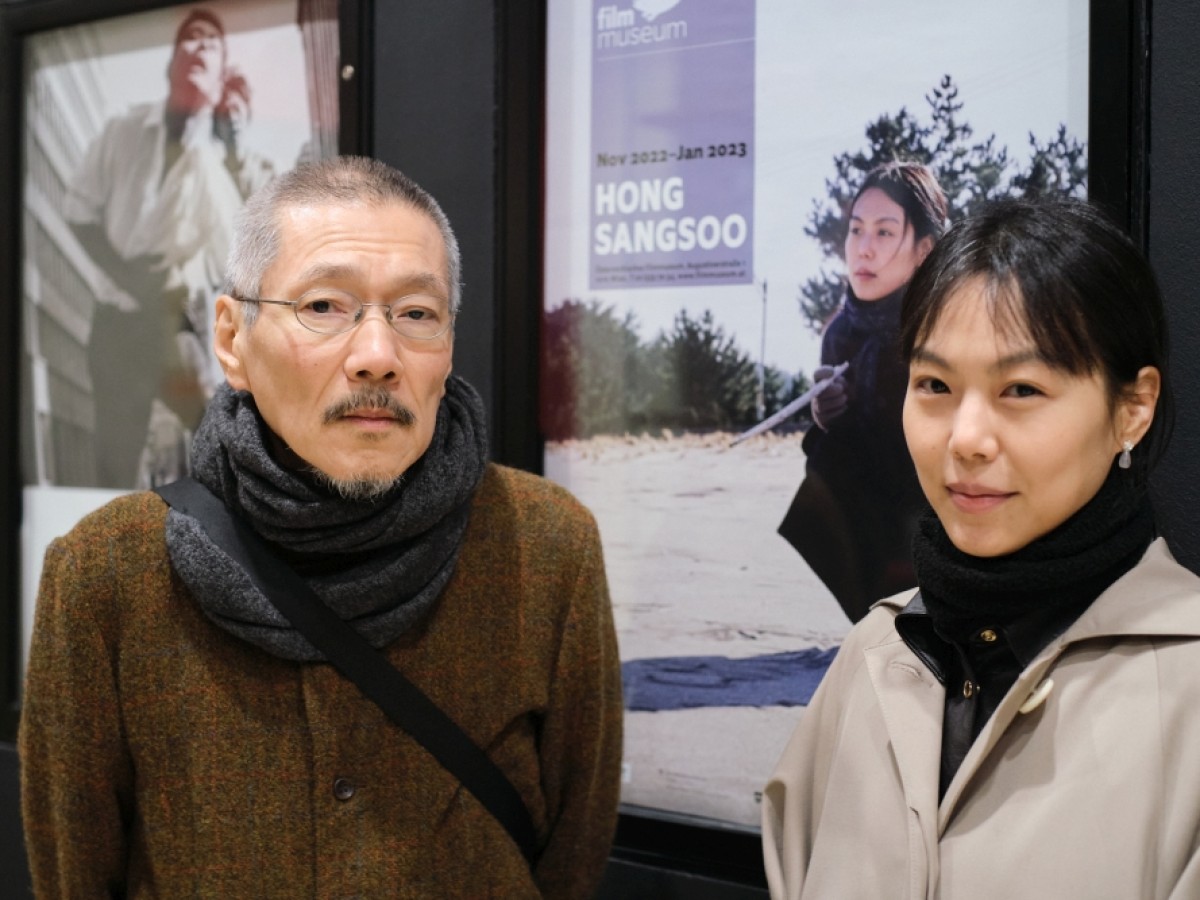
(974, 499)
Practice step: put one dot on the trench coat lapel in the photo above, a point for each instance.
(1001, 719)
(911, 700)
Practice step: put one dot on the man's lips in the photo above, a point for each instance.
(370, 416)
(974, 498)
(378, 407)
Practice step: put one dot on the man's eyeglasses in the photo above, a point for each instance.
(417, 316)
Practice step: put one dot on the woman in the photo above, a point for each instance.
(1026, 725)
(853, 517)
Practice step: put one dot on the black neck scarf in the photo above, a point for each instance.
(379, 564)
(876, 328)
(1064, 570)
(880, 316)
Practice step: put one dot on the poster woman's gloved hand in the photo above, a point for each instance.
(831, 402)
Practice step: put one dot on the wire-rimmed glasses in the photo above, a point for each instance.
(329, 311)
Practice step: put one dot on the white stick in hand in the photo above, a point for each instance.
(792, 408)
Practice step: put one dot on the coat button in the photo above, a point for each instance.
(988, 636)
(343, 789)
(1037, 697)
(968, 689)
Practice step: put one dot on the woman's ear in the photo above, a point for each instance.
(227, 328)
(1135, 408)
(924, 245)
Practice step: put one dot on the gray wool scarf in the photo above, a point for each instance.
(379, 564)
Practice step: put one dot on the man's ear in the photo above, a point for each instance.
(228, 328)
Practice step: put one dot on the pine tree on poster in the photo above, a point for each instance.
(970, 171)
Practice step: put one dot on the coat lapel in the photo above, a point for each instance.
(995, 727)
(911, 701)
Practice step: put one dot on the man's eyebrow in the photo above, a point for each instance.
(329, 272)
(427, 281)
(418, 281)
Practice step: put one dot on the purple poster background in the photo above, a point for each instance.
(672, 184)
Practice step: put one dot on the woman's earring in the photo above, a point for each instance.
(1125, 460)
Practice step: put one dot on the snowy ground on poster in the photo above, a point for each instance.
(696, 569)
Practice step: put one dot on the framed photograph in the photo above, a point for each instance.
(719, 378)
(136, 131)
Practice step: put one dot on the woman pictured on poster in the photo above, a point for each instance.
(853, 518)
(1025, 724)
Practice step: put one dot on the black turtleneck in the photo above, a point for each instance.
(978, 622)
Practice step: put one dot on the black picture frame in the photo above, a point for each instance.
(1119, 113)
(19, 22)
(662, 853)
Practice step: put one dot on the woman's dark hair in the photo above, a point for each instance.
(1059, 271)
(913, 188)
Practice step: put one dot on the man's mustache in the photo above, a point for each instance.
(374, 398)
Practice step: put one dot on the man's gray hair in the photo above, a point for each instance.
(341, 181)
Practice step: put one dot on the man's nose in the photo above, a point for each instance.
(374, 347)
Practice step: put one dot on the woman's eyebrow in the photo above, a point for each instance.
(920, 354)
(924, 355)
(858, 218)
(1016, 359)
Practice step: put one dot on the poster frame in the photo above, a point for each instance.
(1118, 145)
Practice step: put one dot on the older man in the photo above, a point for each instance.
(180, 738)
(152, 204)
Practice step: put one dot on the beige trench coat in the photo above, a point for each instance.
(1093, 794)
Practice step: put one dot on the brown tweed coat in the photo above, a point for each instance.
(163, 757)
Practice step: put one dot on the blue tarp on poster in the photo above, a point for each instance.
(672, 143)
(691, 682)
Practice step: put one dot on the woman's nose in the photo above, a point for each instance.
(973, 435)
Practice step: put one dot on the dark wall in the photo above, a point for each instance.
(457, 106)
(434, 119)
(1173, 237)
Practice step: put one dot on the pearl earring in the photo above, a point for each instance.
(1125, 460)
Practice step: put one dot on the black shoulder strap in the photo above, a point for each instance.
(380, 681)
